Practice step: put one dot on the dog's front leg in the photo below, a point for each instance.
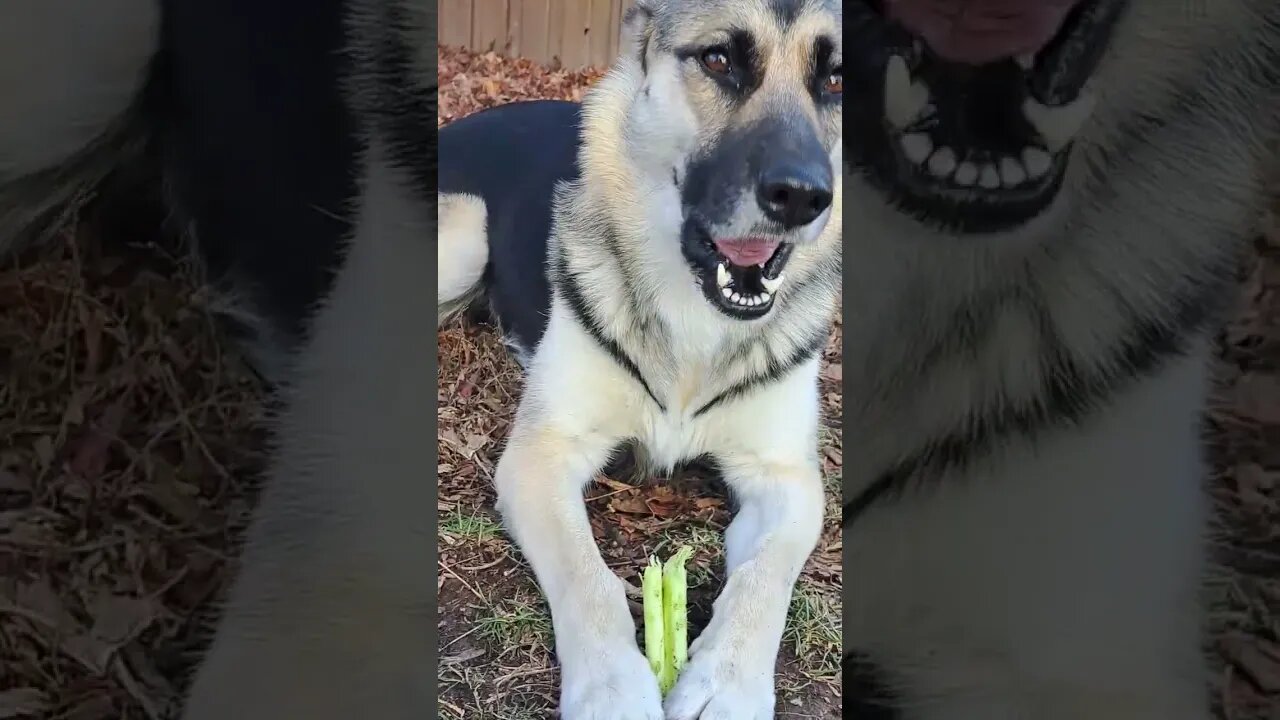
(731, 666)
(540, 479)
(329, 616)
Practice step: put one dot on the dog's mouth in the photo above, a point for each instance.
(740, 277)
(970, 109)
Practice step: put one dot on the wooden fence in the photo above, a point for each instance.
(575, 33)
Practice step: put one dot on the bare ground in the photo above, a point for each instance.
(131, 436)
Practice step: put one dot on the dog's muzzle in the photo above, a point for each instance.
(738, 252)
(970, 107)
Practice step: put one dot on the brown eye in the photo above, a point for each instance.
(834, 83)
(716, 61)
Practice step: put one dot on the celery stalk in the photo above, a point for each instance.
(654, 635)
(675, 617)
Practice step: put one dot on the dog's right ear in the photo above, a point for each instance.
(637, 30)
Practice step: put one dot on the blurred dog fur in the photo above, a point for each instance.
(298, 160)
(1026, 520)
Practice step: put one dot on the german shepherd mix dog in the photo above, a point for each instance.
(665, 261)
(293, 141)
(1050, 199)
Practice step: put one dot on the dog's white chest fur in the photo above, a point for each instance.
(607, 399)
(670, 441)
(673, 435)
(576, 380)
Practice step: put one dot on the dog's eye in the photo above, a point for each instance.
(835, 82)
(717, 61)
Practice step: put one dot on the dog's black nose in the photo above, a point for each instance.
(794, 195)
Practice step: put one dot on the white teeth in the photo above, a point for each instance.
(1007, 171)
(772, 284)
(1011, 173)
(1057, 125)
(727, 293)
(903, 99)
(1036, 161)
(943, 162)
(747, 300)
(990, 179)
(722, 275)
(917, 146)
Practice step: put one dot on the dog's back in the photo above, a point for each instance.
(498, 171)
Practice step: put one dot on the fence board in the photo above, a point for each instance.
(515, 27)
(489, 26)
(555, 32)
(455, 22)
(575, 45)
(574, 33)
(534, 41)
(616, 8)
(600, 33)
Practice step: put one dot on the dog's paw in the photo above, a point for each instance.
(724, 680)
(618, 685)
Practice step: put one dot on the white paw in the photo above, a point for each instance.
(726, 679)
(616, 684)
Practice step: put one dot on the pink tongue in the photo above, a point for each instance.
(745, 252)
(982, 31)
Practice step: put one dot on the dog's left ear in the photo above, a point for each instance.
(637, 30)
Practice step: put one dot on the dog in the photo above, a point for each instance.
(664, 260)
(1050, 199)
(293, 145)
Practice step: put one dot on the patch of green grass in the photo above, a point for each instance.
(832, 483)
(470, 526)
(707, 544)
(696, 535)
(813, 631)
(826, 435)
(484, 705)
(514, 623)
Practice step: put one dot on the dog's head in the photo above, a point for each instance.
(728, 113)
(996, 117)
